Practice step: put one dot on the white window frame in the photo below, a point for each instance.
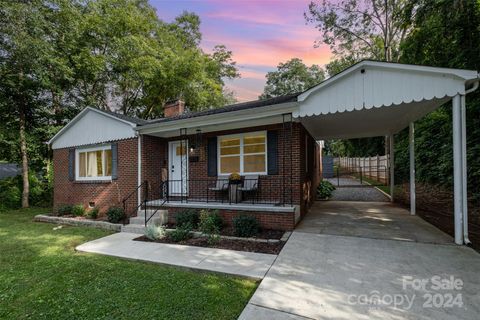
(242, 136)
(77, 163)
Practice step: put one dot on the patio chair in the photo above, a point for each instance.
(250, 185)
(221, 186)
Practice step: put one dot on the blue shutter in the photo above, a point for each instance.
(212, 156)
(71, 164)
(114, 161)
(272, 152)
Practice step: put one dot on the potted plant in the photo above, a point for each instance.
(235, 178)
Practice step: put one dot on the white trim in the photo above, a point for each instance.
(80, 115)
(77, 163)
(241, 155)
(139, 168)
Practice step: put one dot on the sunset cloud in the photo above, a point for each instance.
(261, 34)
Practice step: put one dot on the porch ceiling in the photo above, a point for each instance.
(377, 98)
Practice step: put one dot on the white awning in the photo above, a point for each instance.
(378, 98)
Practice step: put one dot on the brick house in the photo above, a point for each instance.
(184, 160)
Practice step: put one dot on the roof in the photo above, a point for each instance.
(120, 116)
(231, 108)
(9, 170)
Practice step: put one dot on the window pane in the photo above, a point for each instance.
(91, 164)
(229, 142)
(108, 162)
(99, 163)
(254, 139)
(229, 164)
(254, 148)
(82, 162)
(179, 150)
(254, 163)
(229, 150)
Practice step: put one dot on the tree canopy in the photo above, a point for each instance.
(292, 76)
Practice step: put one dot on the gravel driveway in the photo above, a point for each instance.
(356, 192)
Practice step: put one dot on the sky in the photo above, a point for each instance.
(261, 34)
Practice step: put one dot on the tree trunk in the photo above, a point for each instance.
(23, 151)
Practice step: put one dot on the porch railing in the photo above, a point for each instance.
(265, 190)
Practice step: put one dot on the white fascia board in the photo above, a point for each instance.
(219, 118)
(80, 115)
(466, 75)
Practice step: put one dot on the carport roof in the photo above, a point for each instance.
(375, 98)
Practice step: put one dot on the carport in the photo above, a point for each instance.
(380, 99)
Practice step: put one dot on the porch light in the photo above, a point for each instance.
(197, 143)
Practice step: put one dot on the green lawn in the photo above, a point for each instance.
(42, 277)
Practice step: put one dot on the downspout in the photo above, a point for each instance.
(139, 167)
(466, 240)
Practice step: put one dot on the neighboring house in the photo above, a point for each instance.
(184, 160)
(8, 170)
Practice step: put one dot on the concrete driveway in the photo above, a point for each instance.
(349, 260)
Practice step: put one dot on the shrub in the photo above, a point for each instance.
(325, 189)
(64, 209)
(10, 193)
(180, 233)
(210, 222)
(93, 213)
(245, 226)
(78, 210)
(154, 232)
(189, 216)
(115, 214)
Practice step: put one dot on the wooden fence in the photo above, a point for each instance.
(375, 168)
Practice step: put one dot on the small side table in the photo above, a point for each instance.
(235, 195)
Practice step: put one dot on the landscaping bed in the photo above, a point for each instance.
(266, 234)
(237, 245)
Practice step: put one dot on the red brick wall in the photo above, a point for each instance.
(268, 220)
(103, 193)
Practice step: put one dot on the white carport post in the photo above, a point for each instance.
(392, 167)
(411, 136)
(458, 167)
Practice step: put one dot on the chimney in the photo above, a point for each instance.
(173, 108)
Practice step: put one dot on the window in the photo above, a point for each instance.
(94, 163)
(244, 153)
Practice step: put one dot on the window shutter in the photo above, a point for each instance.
(71, 164)
(212, 156)
(114, 161)
(272, 152)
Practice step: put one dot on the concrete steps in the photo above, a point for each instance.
(137, 224)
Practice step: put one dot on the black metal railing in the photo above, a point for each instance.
(360, 176)
(131, 205)
(264, 190)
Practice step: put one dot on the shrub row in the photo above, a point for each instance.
(210, 223)
(114, 214)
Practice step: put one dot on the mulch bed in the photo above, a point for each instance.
(237, 245)
(262, 234)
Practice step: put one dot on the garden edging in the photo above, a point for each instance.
(284, 238)
(79, 223)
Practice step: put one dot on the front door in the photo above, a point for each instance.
(178, 168)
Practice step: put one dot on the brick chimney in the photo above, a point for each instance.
(173, 108)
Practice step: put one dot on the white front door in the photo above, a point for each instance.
(178, 168)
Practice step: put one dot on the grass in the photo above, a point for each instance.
(43, 277)
(374, 182)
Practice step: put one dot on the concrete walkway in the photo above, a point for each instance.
(352, 261)
(246, 264)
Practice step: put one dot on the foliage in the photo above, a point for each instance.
(64, 209)
(325, 189)
(11, 192)
(181, 233)
(93, 213)
(290, 77)
(363, 147)
(78, 210)
(446, 34)
(78, 284)
(210, 221)
(245, 226)
(154, 232)
(235, 177)
(361, 29)
(115, 214)
(187, 217)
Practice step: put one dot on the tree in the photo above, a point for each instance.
(290, 77)
(361, 29)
